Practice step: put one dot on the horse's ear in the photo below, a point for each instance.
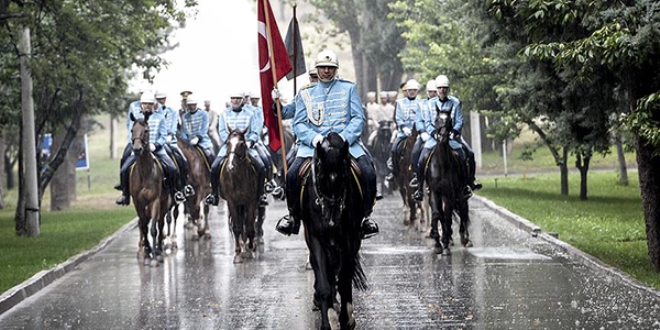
(245, 131)
(131, 116)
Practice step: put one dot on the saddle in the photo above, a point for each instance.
(427, 159)
(305, 171)
(204, 157)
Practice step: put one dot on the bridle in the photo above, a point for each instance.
(145, 134)
(324, 201)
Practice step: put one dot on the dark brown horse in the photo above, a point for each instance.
(150, 198)
(410, 205)
(199, 177)
(332, 212)
(380, 151)
(238, 186)
(446, 183)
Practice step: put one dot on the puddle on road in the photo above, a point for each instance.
(506, 254)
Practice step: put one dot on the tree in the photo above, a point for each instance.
(83, 53)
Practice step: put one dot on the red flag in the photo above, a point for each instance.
(282, 67)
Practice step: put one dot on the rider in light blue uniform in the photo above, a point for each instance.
(195, 128)
(422, 116)
(237, 117)
(157, 134)
(260, 146)
(407, 111)
(332, 105)
(446, 103)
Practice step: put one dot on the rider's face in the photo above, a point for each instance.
(236, 102)
(326, 73)
(192, 107)
(433, 93)
(161, 101)
(442, 92)
(147, 107)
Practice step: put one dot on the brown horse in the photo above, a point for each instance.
(238, 186)
(150, 198)
(410, 205)
(199, 177)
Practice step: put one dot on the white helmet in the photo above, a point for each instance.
(327, 58)
(412, 84)
(191, 100)
(161, 95)
(147, 97)
(237, 94)
(431, 86)
(441, 81)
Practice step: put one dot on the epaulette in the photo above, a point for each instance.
(308, 86)
(344, 80)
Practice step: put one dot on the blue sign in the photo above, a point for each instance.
(83, 157)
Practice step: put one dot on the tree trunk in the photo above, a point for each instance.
(19, 214)
(9, 174)
(2, 171)
(63, 183)
(563, 170)
(583, 165)
(649, 186)
(30, 178)
(621, 157)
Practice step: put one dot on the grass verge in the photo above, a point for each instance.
(609, 225)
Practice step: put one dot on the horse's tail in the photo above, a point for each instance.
(359, 278)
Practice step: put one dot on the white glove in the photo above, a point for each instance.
(451, 135)
(275, 94)
(168, 138)
(425, 136)
(249, 144)
(152, 147)
(194, 141)
(317, 139)
(407, 131)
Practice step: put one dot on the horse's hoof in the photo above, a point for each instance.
(446, 252)
(247, 255)
(238, 259)
(160, 258)
(437, 250)
(466, 242)
(260, 240)
(207, 235)
(154, 263)
(189, 225)
(146, 262)
(406, 223)
(333, 318)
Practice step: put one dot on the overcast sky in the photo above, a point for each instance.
(217, 55)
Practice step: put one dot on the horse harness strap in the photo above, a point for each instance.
(305, 172)
(203, 154)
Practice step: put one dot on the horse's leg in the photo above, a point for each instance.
(161, 235)
(345, 287)
(260, 225)
(464, 216)
(237, 229)
(446, 221)
(322, 288)
(155, 219)
(207, 230)
(144, 233)
(197, 219)
(436, 214)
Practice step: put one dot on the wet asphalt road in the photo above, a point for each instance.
(508, 280)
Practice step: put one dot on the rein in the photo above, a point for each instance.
(322, 199)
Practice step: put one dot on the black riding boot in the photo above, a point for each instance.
(188, 190)
(290, 223)
(125, 198)
(213, 198)
(471, 180)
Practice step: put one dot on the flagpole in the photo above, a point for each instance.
(273, 69)
(295, 50)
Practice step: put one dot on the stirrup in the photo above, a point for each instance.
(287, 225)
(123, 200)
(278, 193)
(270, 186)
(418, 195)
(188, 190)
(118, 187)
(211, 200)
(179, 197)
(263, 200)
(414, 183)
(369, 228)
(467, 192)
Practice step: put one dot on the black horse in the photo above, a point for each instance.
(332, 212)
(380, 151)
(446, 181)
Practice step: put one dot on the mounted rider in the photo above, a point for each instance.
(407, 110)
(157, 135)
(237, 117)
(195, 128)
(446, 103)
(422, 116)
(261, 146)
(331, 105)
(171, 146)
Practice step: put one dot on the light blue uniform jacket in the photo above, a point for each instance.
(196, 125)
(172, 121)
(157, 131)
(452, 105)
(329, 107)
(136, 109)
(406, 114)
(245, 119)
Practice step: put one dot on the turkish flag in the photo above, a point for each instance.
(282, 68)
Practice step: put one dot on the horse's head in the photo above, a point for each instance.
(385, 129)
(140, 133)
(443, 125)
(331, 169)
(237, 149)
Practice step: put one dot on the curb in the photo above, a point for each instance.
(40, 280)
(535, 230)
